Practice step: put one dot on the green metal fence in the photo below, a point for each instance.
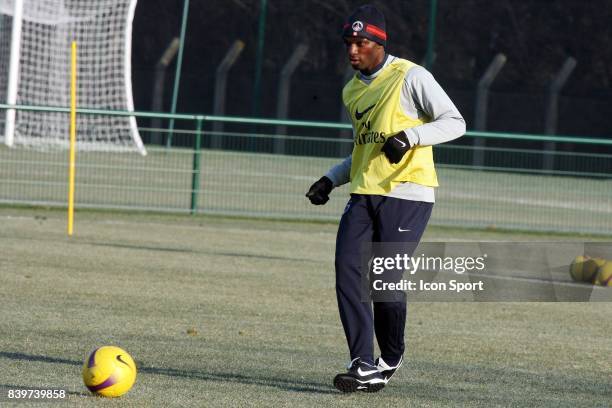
(235, 180)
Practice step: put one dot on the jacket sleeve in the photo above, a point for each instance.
(422, 97)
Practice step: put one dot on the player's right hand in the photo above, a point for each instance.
(318, 194)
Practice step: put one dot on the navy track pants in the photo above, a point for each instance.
(366, 219)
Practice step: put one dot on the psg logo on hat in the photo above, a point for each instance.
(357, 26)
(367, 22)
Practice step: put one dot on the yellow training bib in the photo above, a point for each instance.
(376, 113)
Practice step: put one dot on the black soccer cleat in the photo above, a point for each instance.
(386, 370)
(360, 377)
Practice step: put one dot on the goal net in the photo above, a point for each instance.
(35, 66)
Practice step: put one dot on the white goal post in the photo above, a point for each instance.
(35, 39)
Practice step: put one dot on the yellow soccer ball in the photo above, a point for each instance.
(604, 276)
(109, 371)
(583, 269)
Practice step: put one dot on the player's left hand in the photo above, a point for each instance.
(396, 147)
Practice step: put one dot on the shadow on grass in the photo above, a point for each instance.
(285, 384)
(173, 250)
(197, 252)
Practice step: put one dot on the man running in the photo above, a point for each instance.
(398, 111)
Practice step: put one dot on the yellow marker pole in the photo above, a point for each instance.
(72, 164)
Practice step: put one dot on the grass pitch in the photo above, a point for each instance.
(236, 312)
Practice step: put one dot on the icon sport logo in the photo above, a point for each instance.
(359, 115)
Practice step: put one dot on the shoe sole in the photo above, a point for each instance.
(348, 384)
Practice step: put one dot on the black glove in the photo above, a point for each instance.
(396, 147)
(318, 194)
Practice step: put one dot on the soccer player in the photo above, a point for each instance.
(398, 111)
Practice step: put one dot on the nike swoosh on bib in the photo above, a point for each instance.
(359, 115)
